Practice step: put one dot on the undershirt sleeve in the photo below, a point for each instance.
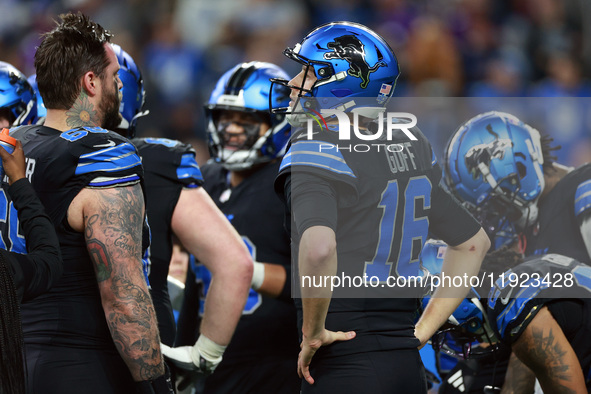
(449, 220)
(312, 202)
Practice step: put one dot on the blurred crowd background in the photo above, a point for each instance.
(446, 48)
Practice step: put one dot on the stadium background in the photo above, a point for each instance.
(459, 48)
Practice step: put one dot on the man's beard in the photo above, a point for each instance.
(109, 107)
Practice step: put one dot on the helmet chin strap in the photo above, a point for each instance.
(125, 124)
(488, 331)
(24, 115)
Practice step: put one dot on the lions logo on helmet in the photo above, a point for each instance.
(509, 159)
(340, 54)
(485, 153)
(352, 50)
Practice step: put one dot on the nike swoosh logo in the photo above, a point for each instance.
(305, 135)
(505, 299)
(107, 145)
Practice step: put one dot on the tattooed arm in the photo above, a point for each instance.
(112, 223)
(545, 350)
(519, 378)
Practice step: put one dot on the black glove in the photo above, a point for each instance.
(160, 385)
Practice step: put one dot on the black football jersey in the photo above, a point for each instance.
(169, 166)
(388, 200)
(561, 213)
(550, 280)
(59, 166)
(268, 325)
(521, 291)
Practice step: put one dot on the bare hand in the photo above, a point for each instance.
(309, 347)
(14, 164)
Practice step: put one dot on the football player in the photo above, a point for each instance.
(540, 308)
(246, 143)
(17, 99)
(501, 165)
(358, 214)
(177, 204)
(84, 335)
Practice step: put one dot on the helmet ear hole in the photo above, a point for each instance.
(521, 169)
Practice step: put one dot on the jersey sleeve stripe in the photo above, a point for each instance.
(114, 151)
(189, 168)
(582, 274)
(583, 197)
(513, 310)
(104, 182)
(113, 160)
(312, 153)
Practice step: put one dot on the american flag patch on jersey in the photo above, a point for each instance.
(385, 89)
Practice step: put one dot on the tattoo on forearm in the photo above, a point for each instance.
(131, 332)
(551, 353)
(82, 113)
(114, 240)
(543, 349)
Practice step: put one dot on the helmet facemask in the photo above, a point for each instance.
(458, 338)
(240, 149)
(494, 159)
(241, 100)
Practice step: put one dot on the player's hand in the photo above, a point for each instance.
(189, 358)
(190, 365)
(310, 345)
(14, 164)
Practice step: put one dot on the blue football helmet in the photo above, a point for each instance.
(246, 88)
(468, 323)
(41, 110)
(133, 95)
(350, 62)
(495, 161)
(16, 95)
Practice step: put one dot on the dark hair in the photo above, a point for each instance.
(12, 369)
(71, 49)
(547, 149)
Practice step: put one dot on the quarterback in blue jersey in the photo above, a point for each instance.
(177, 204)
(360, 214)
(84, 335)
(539, 307)
(247, 143)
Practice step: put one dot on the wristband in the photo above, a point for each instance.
(161, 385)
(258, 275)
(209, 351)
